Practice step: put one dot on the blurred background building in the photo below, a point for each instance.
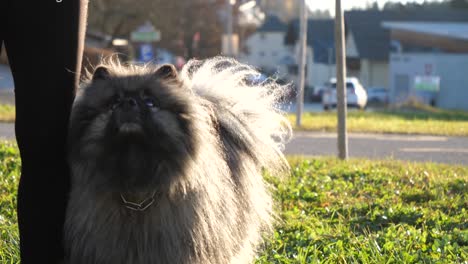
(407, 50)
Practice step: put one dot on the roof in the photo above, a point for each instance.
(373, 41)
(272, 24)
(320, 36)
(445, 29)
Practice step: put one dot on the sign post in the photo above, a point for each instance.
(301, 63)
(145, 36)
(341, 82)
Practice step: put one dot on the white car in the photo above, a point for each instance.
(356, 94)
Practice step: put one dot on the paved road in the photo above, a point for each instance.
(452, 150)
(6, 80)
(6, 86)
(7, 131)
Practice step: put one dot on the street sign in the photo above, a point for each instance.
(146, 33)
(427, 83)
(146, 52)
(154, 36)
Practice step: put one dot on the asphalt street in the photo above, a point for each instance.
(440, 149)
(452, 150)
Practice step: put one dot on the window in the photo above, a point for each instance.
(348, 85)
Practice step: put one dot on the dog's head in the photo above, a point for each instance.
(133, 124)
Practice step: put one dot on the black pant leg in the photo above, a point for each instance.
(44, 43)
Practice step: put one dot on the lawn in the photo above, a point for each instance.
(335, 212)
(412, 120)
(370, 212)
(416, 119)
(7, 113)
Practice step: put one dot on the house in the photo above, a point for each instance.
(429, 62)
(368, 44)
(274, 49)
(265, 48)
(321, 65)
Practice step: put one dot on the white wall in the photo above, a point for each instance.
(317, 74)
(373, 73)
(266, 49)
(451, 68)
(379, 74)
(321, 73)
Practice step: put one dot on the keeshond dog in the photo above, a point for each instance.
(167, 167)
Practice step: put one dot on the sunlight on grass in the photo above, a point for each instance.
(447, 123)
(332, 211)
(7, 113)
(417, 120)
(369, 212)
(9, 177)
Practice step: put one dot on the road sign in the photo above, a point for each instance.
(146, 33)
(146, 36)
(146, 52)
(427, 83)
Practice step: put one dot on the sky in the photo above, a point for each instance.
(348, 4)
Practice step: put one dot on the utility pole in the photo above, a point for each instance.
(330, 62)
(229, 27)
(301, 63)
(341, 81)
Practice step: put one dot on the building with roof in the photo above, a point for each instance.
(274, 49)
(265, 48)
(368, 44)
(321, 49)
(429, 62)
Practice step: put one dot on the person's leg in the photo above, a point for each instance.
(44, 43)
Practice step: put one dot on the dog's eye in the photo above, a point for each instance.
(149, 102)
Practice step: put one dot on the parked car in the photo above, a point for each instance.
(377, 95)
(317, 93)
(356, 94)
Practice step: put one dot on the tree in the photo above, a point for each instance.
(447, 4)
(179, 21)
(459, 3)
(372, 6)
(200, 17)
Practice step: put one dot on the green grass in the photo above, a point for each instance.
(414, 120)
(334, 212)
(7, 113)
(9, 176)
(370, 212)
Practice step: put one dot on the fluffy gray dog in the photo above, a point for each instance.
(167, 167)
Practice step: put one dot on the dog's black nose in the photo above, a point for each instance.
(129, 103)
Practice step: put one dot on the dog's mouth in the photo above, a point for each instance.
(127, 122)
(130, 128)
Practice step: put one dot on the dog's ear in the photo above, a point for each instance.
(101, 73)
(166, 71)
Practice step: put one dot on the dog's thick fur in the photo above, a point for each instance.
(202, 149)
